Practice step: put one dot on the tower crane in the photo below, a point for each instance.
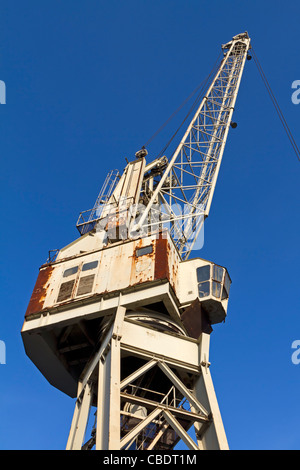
(120, 319)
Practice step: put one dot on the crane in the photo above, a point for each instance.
(120, 319)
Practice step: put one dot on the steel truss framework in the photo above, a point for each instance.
(181, 196)
(149, 419)
(191, 174)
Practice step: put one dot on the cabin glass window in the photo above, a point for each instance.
(216, 289)
(90, 265)
(204, 289)
(217, 276)
(70, 271)
(203, 273)
(203, 277)
(217, 273)
(65, 291)
(85, 285)
(145, 250)
(226, 287)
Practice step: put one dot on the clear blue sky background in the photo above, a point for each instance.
(87, 84)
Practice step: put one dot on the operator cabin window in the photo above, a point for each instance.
(66, 288)
(87, 277)
(145, 250)
(203, 277)
(213, 280)
(85, 284)
(70, 271)
(217, 275)
(226, 287)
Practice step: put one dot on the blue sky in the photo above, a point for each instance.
(87, 84)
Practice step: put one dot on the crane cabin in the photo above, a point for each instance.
(76, 294)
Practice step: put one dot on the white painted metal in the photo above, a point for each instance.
(105, 370)
(108, 401)
(80, 418)
(180, 431)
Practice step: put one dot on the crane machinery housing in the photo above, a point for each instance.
(120, 319)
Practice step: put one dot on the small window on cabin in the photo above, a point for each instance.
(204, 289)
(217, 273)
(70, 271)
(65, 291)
(145, 250)
(90, 265)
(85, 285)
(226, 287)
(203, 278)
(203, 273)
(216, 289)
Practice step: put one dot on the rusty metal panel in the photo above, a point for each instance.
(173, 260)
(112, 269)
(38, 296)
(161, 258)
(142, 261)
(166, 260)
(195, 320)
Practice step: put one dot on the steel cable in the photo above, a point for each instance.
(276, 105)
(199, 87)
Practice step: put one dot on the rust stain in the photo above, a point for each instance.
(173, 266)
(116, 226)
(39, 292)
(161, 270)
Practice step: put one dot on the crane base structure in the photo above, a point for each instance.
(150, 417)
